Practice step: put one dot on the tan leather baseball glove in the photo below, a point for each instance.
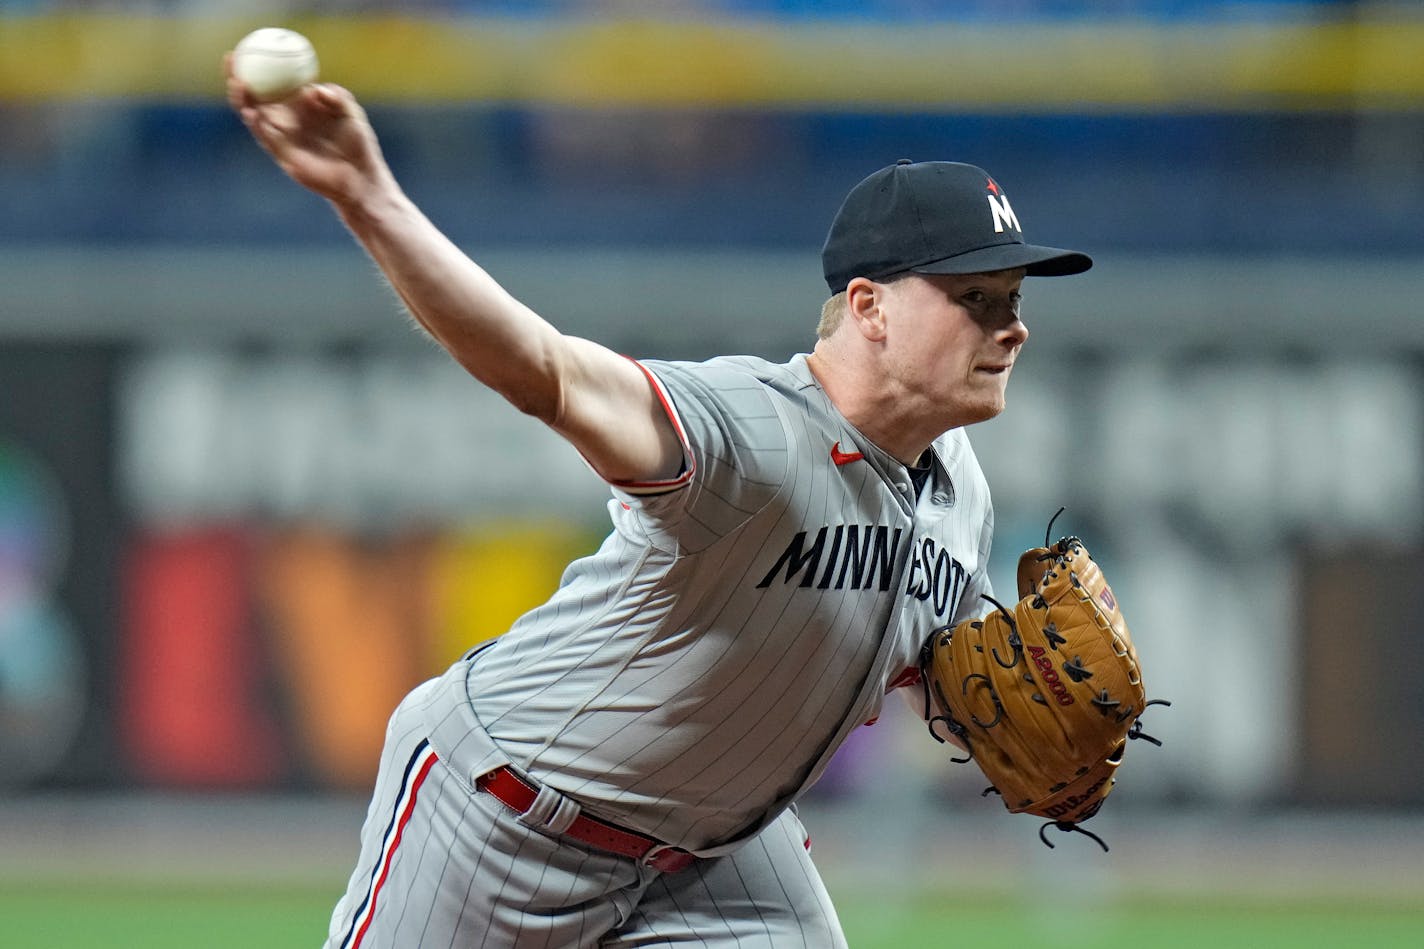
(1043, 696)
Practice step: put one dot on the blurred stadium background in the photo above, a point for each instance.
(244, 506)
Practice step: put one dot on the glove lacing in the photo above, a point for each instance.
(1067, 826)
(1075, 827)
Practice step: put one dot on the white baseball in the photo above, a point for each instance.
(274, 62)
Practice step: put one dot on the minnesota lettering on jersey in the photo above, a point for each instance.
(862, 557)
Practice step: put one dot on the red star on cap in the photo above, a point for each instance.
(991, 186)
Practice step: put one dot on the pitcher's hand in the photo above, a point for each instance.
(319, 136)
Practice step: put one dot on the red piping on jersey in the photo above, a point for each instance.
(691, 462)
(393, 844)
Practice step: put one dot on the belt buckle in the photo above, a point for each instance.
(666, 858)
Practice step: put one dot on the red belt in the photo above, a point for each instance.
(516, 794)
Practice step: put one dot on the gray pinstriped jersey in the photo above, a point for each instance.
(695, 674)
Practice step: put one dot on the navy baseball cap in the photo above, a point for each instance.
(935, 217)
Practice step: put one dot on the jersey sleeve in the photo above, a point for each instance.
(735, 456)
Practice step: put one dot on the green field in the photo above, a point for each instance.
(56, 916)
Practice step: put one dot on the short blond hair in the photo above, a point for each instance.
(833, 311)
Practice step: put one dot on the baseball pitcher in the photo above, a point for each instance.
(787, 541)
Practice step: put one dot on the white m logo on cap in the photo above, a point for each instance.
(1003, 213)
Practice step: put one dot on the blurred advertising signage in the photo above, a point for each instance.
(42, 679)
(366, 443)
(1246, 451)
(314, 537)
(315, 533)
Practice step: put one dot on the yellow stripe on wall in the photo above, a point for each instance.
(1114, 65)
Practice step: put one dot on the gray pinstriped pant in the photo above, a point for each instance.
(442, 865)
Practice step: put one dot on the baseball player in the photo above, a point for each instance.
(622, 766)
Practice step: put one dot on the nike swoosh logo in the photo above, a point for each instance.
(844, 457)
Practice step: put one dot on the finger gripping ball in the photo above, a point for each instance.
(274, 62)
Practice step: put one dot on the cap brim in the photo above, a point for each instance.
(1038, 261)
